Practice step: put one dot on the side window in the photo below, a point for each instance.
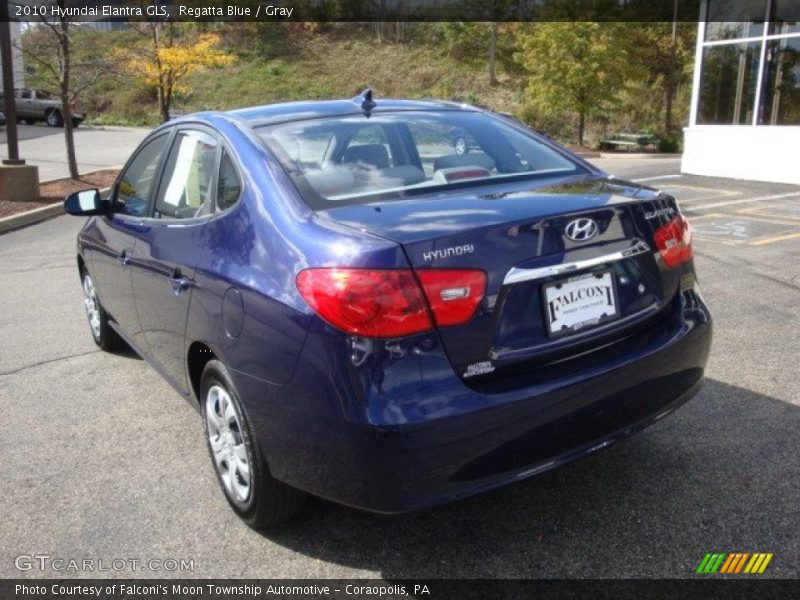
(136, 184)
(186, 191)
(229, 187)
(25, 94)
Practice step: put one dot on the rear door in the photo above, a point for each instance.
(114, 236)
(168, 249)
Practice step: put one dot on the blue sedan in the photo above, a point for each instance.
(362, 312)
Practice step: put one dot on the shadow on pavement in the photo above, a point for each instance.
(720, 474)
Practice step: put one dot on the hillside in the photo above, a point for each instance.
(275, 63)
(299, 64)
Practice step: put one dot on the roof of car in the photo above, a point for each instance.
(293, 111)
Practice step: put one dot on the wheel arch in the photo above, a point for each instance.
(197, 357)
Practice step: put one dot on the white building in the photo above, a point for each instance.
(745, 114)
(16, 57)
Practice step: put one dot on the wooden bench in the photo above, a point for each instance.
(628, 141)
(616, 144)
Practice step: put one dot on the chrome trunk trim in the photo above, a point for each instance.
(516, 275)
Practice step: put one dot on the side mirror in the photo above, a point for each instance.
(86, 203)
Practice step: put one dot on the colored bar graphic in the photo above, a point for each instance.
(726, 566)
(764, 564)
(720, 562)
(741, 562)
(756, 558)
(703, 563)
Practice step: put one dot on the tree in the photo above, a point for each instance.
(575, 67)
(664, 54)
(492, 53)
(468, 41)
(64, 66)
(168, 56)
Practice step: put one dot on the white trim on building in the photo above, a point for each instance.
(737, 125)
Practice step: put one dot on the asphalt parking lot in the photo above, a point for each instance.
(104, 460)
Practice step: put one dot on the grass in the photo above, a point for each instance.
(314, 66)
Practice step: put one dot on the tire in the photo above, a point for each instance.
(103, 334)
(259, 499)
(54, 118)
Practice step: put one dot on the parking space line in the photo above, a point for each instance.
(708, 216)
(777, 238)
(756, 212)
(747, 200)
(655, 178)
(715, 193)
(788, 229)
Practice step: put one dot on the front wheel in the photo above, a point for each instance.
(103, 334)
(259, 499)
(54, 119)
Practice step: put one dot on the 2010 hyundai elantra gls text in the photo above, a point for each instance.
(363, 312)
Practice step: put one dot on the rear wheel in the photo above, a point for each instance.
(259, 499)
(102, 333)
(54, 118)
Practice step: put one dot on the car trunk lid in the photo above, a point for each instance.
(539, 279)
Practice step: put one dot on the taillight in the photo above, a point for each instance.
(390, 303)
(454, 294)
(674, 242)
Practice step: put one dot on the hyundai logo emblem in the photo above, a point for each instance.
(581, 230)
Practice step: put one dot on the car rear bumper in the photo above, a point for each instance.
(388, 455)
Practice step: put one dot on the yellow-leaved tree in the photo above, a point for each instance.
(168, 56)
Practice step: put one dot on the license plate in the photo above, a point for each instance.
(574, 304)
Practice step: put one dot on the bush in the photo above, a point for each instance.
(669, 144)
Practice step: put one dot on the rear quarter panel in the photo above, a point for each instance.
(246, 307)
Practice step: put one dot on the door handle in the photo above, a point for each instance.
(124, 259)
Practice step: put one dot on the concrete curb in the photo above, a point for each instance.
(34, 216)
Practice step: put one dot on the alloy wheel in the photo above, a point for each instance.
(91, 305)
(224, 431)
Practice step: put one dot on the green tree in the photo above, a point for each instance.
(572, 67)
(664, 52)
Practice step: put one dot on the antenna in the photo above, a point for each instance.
(364, 99)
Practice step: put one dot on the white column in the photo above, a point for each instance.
(698, 65)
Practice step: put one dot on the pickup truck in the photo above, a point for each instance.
(37, 105)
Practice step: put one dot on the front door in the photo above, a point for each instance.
(167, 251)
(114, 237)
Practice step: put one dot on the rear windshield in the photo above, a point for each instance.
(345, 160)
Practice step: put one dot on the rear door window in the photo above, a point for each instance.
(229, 186)
(187, 191)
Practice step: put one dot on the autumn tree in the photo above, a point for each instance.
(168, 55)
(572, 67)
